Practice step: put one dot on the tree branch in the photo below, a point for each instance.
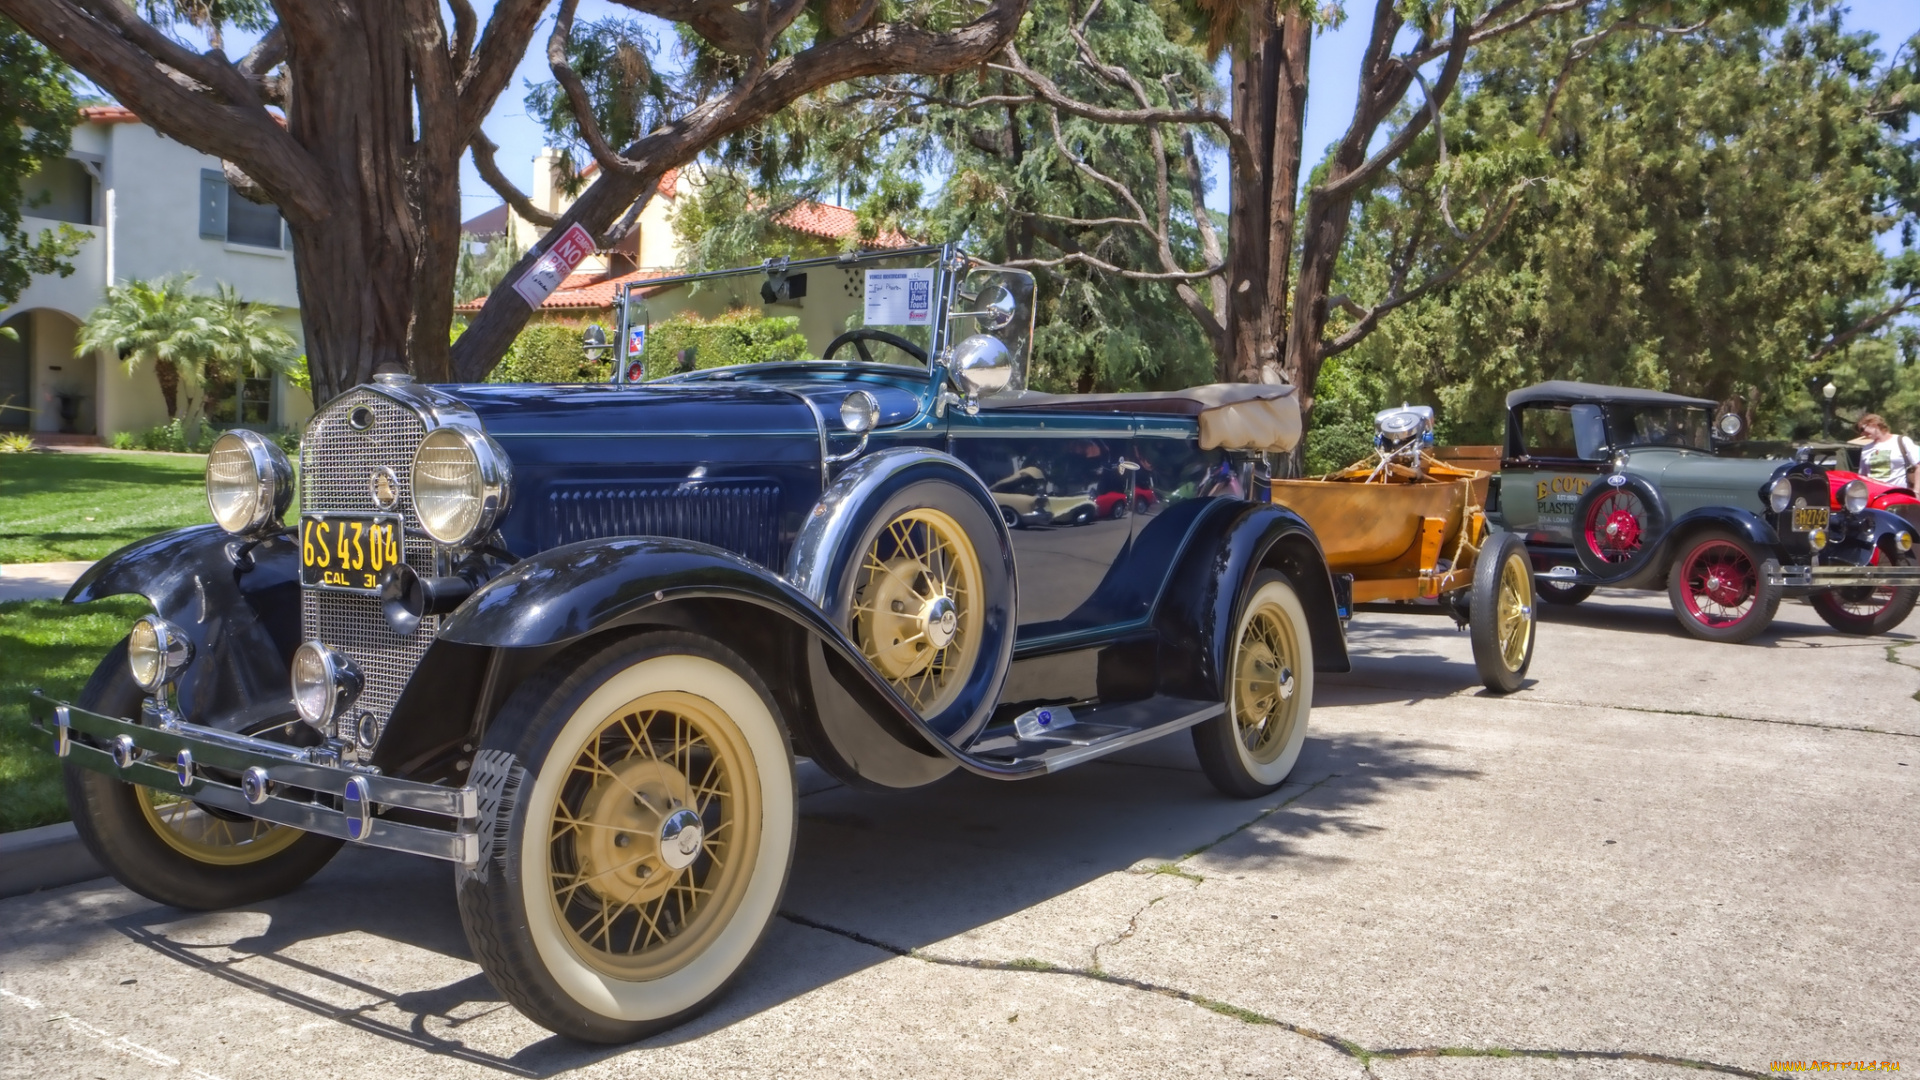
(502, 44)
(1395, 298)
(1909, 302)
(465, 25)
(724, 24)
(483, 150)
(178, 108)
(1046, 91)
(1396, 146)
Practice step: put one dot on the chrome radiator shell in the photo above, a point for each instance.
(337, 463)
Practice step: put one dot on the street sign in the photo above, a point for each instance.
(553, 266)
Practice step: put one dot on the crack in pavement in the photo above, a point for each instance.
(1364, 1055)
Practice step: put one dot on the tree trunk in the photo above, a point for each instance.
(356, 268)
(1269, 72)
(169, 377)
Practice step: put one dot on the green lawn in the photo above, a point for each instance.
(53, 646)
(60, 507)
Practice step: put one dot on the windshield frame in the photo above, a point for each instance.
(947, 262)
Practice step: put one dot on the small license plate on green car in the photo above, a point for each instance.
(350, 552)
(1809, 518)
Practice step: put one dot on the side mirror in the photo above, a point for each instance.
(594, 338)
(995, 307)
(981, 364)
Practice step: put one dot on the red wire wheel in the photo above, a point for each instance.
(1718, 589)
(1865, 610)
(1614, 528)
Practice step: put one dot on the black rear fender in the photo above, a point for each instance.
(1198, 609)
(238, 601)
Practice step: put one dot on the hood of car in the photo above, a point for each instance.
(1691, 479)
(735, 465)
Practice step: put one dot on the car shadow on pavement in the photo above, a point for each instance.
(907, 870)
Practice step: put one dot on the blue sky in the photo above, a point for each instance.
(1334, 80)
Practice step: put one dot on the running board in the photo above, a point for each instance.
(1098, 730)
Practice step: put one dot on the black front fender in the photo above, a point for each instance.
(570, 592)
(237, 601)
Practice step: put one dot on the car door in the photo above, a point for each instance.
(1555, 452)
(1047, 466)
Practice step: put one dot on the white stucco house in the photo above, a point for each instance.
(153, 207)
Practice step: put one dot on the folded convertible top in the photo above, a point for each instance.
(1233, 416)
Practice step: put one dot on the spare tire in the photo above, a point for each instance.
(1616, 523)
(909, 554)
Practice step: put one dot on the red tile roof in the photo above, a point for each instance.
(835, 223)
(107, 114)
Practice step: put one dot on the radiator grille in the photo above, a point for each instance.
(742, 517)
(336, 464)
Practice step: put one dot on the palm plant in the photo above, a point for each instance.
(248, 340)
(162, 322)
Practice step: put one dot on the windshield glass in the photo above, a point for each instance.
(1640, 425)
(881, 308)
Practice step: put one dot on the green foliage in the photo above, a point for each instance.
(738, 337)
(16, 443)
(1701, 216)
(1873, 375)
(50, 646)
(479, 272)
(550, 353)
(198, 336)
(1345, 400)
(37, 111)
(170, 437)
(628, 97)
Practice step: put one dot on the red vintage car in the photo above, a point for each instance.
(1864, 609)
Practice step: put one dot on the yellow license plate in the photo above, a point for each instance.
(351, 552)
(1809, 518)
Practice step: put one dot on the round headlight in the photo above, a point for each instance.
(1903, 541)
(156, 651)
(249, 483)
(1817, 539)
(1853, 496)
(1780, 495)
(324, 683)
(460, 485)
(859, 412)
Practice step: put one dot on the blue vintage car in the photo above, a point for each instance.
(573, 638)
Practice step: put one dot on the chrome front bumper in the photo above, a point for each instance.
(306, 788)
(1841, 575)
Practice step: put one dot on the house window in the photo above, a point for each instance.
(255, 403)
(61, 191)
(225, 214)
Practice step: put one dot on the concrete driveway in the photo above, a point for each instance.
(1662, 856)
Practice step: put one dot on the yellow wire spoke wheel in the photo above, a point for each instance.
(1266, 687)
(1515, 613)
(210, 838)
(1501, 610)
(917, 596)
(653, 837)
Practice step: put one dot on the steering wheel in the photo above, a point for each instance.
(859, 338)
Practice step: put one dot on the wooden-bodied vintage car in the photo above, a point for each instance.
(1619, 487)
(572, 638)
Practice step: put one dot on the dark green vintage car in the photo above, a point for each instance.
(1627, 488)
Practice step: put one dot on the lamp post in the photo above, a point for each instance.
(1827, 393)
